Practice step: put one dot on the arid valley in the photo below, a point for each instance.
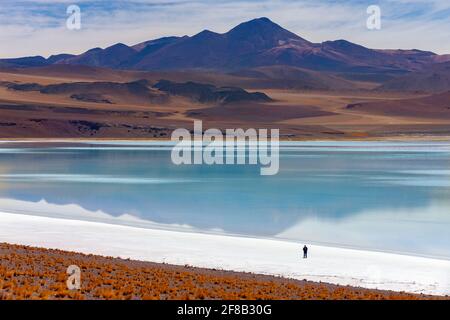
(93, 107)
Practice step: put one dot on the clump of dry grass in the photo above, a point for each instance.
(33, 273)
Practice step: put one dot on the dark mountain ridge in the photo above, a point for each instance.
(256, 43)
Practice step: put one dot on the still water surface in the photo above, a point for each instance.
(374, 195)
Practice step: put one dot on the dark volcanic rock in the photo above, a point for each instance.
(206, 93)
(90, 97)
(25, 86)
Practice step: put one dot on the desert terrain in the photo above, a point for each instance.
(88, 102)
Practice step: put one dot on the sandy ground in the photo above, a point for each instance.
(300, 115)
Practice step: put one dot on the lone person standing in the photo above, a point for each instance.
(305, 252)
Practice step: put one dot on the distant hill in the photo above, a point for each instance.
(36, 61)
(142, 91)
(99, 92)
(111, 57)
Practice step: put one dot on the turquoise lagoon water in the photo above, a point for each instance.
(373, 195)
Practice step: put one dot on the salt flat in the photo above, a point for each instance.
(265, 256)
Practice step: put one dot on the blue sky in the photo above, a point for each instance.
(37, 27)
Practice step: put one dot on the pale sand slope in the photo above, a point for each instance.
(264, 256)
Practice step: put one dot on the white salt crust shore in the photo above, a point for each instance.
(342, 266)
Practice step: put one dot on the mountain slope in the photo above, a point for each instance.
(436, 106)
(286, 77)
(434, 79)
